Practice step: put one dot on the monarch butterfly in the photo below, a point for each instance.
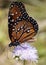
(21, 27)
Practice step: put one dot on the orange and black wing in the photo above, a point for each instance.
(21, 27)
(25, 30)
(15, 12)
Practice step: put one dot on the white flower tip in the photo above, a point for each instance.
(16, 58)
(26, 52)
(13, 56)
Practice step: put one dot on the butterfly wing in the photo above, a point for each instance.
(29, 32)
(15, 12)
(23, 31)
(26, 30)
(21, 27)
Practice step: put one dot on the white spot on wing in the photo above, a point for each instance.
(18, 29)
(12, 20)
(11, 5)
(28, 31)
(12, 14)
(9, 17)
(17, 17)
(16, 13)
(13, 29)
(21, 27)
(15, 23)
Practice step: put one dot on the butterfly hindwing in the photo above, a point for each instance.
(28, 31)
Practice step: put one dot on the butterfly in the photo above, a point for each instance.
(21, 27)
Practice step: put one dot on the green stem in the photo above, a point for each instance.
(24, 62)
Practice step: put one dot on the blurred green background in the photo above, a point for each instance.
(36, 9)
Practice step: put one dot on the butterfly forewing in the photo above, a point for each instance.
(14, 13)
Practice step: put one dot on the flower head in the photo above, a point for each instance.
(25, 52)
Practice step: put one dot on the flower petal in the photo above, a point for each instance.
(26, 52)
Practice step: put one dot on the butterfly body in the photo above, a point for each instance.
(21, 27)
(14, 44)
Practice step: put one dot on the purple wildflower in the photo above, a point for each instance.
(25, 52)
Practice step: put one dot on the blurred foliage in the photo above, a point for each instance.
(4, 3)
(36, 9)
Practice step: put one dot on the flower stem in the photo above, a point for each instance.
(24, 62)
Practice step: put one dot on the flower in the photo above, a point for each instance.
(25, 52)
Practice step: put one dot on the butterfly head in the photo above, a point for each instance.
(14, 44)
